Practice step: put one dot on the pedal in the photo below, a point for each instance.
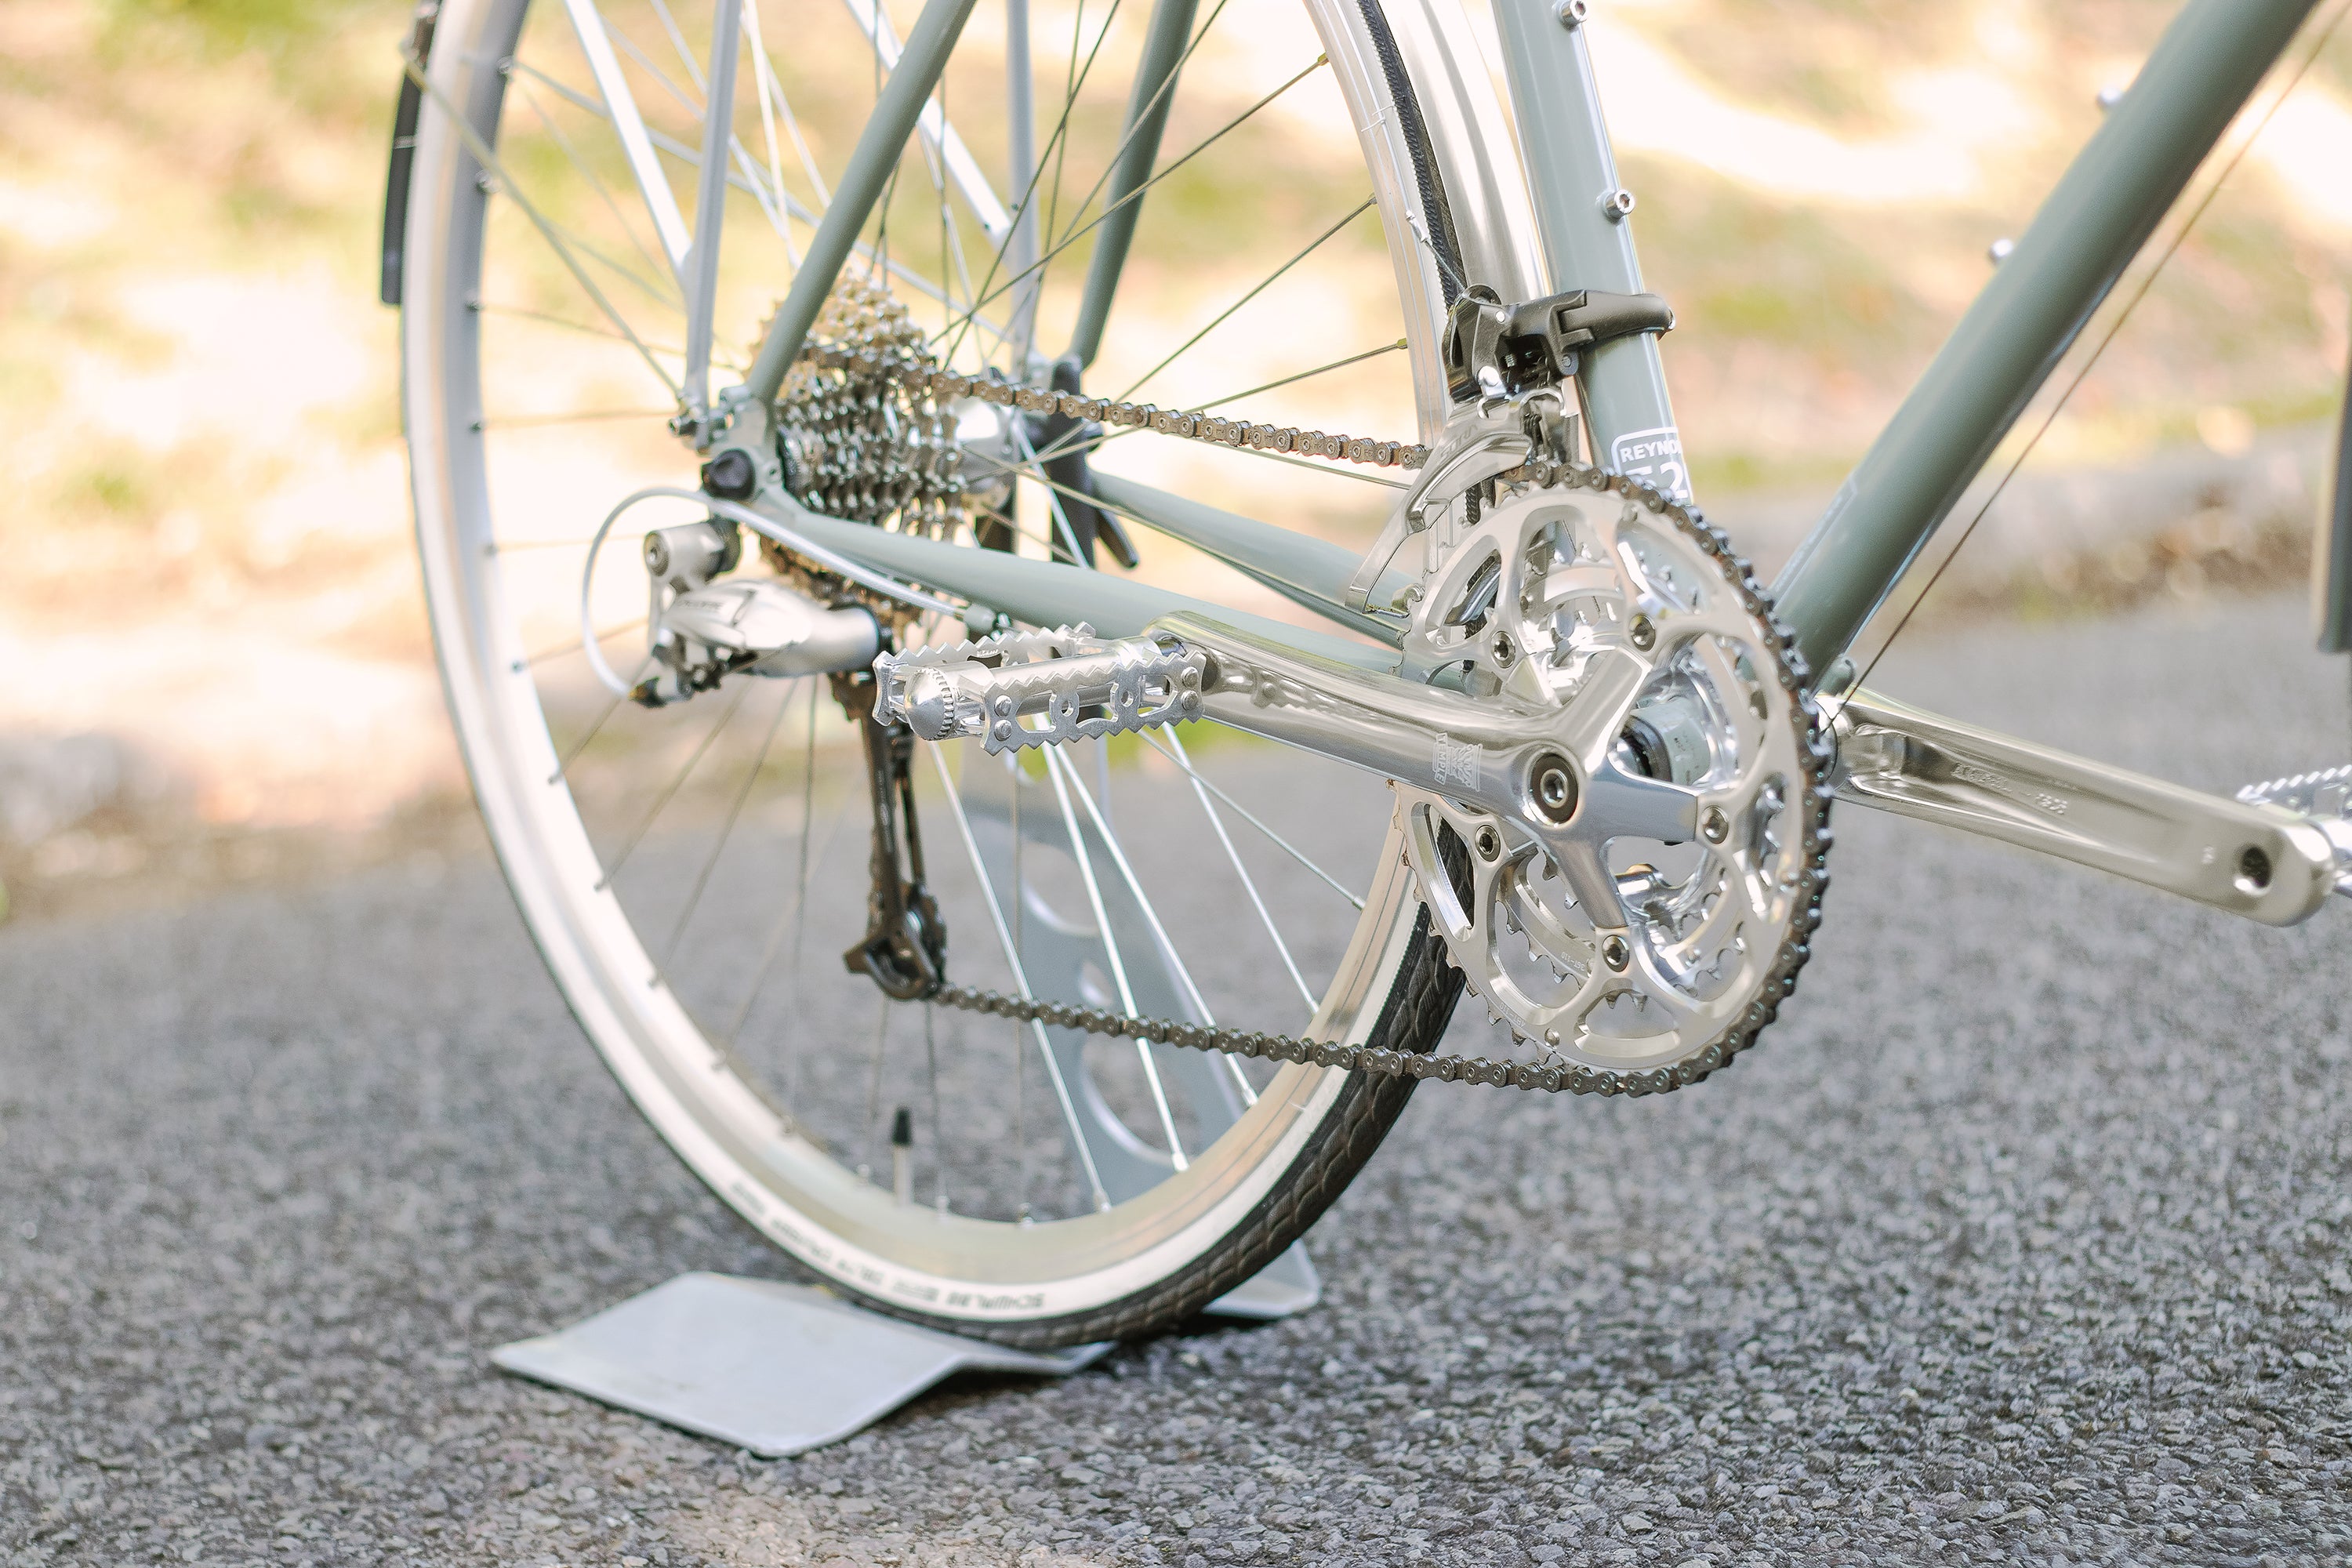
(2326, 798)
(1036, 688)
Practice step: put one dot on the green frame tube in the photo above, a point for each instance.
(2206, 67)
(2210, 60)
(1146, 119)
(1628, 414)
(877, 152)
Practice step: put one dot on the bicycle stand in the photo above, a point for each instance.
(779, 1369)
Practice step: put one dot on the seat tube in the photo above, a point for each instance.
(1588, 238)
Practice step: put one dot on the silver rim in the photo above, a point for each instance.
(723, 1123)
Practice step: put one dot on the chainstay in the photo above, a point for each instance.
(1185, 425)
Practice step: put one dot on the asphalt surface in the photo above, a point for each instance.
(2021, 1237)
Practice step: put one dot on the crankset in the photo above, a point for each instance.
(1612, 786)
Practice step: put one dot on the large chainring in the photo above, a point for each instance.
(1643, 963)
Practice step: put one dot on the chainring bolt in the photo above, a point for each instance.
(1614, 952)
(1490, 844)
(1642, 634)
(1714, 827)
(1552, 782)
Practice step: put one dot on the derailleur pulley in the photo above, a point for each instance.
(905, 948)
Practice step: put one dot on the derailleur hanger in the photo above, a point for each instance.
(1493, 350)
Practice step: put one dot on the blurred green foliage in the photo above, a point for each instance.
(220, 28)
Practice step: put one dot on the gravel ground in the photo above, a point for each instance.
(2022, 1237)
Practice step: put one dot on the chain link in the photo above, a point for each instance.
(879, 355)
(1291, 1048)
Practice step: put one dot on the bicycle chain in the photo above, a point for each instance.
(866, 428)
(885, 359)
(1809, 812)
(1266, 1046)
(921, 373)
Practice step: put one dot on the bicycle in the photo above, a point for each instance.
(1589, 756)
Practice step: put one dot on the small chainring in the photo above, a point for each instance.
(1646, 962)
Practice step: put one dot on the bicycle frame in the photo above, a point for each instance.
(2203, 72)
(2208, 63)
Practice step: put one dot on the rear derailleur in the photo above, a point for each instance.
(905, 948)
(707, 629)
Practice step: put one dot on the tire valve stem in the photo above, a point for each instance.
(902, 1155)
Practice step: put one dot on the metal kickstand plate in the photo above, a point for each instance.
(774, 1368)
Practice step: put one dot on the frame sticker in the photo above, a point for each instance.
(1654, 457)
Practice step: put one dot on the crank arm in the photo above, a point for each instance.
(2261, 861)
(1483, 753)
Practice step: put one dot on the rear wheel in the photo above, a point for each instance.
(693, 873)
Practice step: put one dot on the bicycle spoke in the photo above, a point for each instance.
(1249, 884)
(1159, 932)
(746, 182)
(588, 172)
(1244, 813)
(661, 203)
(775, 205)
(1137, 194)
(779, 205)
(1056, 767)
(931, 1071)
(563, 764)
(576, 644)
(939, 136)
(1021, 170)
(1226, 314)
(1058, 145)
(1076, 1129)
(874, 1089)
(677, 43)
(1302, 375)
(1054, 491)
(586, 416)
(1136, 124)
(772, 99)
(1099, 815)
(670, 790)
(726, 831)
(797, 911)
(590, 328)
(762, 80)
(482, 154)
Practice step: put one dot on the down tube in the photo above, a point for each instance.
(1572, 172)
(2102, 211)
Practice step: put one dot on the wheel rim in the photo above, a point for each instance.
(716, 1117)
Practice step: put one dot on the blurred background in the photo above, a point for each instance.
(211, 605)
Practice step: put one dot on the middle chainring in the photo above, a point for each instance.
(1544, 592)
